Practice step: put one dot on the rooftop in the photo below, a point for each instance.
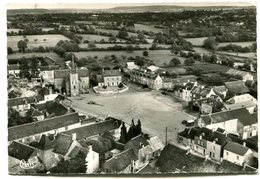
(237, 87)
(107, 73)
(20, 151)
(38, 127)
(236, 148)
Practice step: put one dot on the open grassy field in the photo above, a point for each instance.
(14, 30)
(51, 55)
(160, 57)
(242, 44)
(196, 41)
(155, 110)
(147, 28)
(209, 67)
(50, 40)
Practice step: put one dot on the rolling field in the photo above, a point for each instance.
(196, 41)
(147, 28)
(158, 56)
(52, 55)
(242, 44)
(14, 30)
(209, 67)
(51, 40)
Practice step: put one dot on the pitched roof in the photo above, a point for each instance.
(241, 114)
(62, 143)
(20, 101)
(120, 161)
(45, 143)
(55, 108)
(32, 112)
(156, 143)
(74, 152)
(246, 104)
(218, 137)
(93, 129)
(189, 133)
(13, 67)
(237, 87)
(38, 127)
(236, 148)
(220, 89)
(20, 151)
(61, 73)
(107, 73)
(147, 169)
(83, 72)
(189, 86)
(136, 143)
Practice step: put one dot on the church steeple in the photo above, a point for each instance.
(73, 68)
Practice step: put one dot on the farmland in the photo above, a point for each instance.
(42, 40)
(147, 28)
(160, 57)
(242, 44)
(196, 41)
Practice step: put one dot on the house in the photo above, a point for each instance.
(21, 151)
(23, 103)
(244, 75)
(123, 162)
(13, 69)
(220, 90)
(184, 79)
(208, 105)
(239, 101)
(237, 121)
(236, 87)
(187, 136)
(200, 92)
(94, 130)
(35, 114)
(187, 91)
(146, 77)
(142, 150)
(237, 154)
(110, 78)
(131, 65)
(29, 132)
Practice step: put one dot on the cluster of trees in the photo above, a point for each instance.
(210, 43)
(22, 45)
(238, 37)
(74, 165)
(15, 119)
(189, 61)
(133, 131)
(237, 48)
(66, 46)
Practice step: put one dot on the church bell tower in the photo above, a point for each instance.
(74, 79)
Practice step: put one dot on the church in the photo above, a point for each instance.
(72, 81)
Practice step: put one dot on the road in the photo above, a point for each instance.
(155, 111)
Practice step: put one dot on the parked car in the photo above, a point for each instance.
(184, 122)
(190, 123)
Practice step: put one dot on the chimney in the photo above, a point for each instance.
(244, 144)
(90, 148)
(50, 90)
(74, 136)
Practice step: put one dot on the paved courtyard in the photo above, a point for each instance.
(155, 110)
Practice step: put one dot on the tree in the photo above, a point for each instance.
(120, 85)
(41, 49)
(130, 133)
(189, 61)
(122, 34)
(123, 134)
(174, 62)
(175, 49)
(138, 128)
(129, 48)
(112, 39)
(210, 43)
(59, 50)
(145, 53)
(22, 45)
(9, 50)
(154, 46)
(91, 45)
(106, 68)
(246, 66)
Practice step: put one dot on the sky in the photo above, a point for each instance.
(111, 5)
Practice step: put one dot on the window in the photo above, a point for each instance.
(213, 154)
(226, 153)
(213, 147)
(237, 157)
